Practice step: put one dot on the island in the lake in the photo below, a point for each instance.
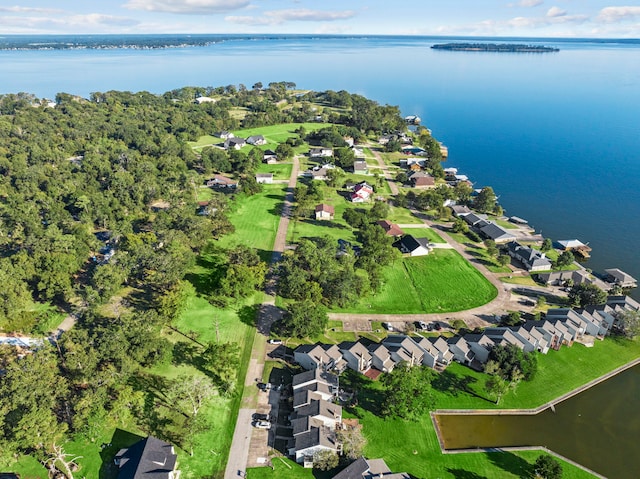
(494, 47)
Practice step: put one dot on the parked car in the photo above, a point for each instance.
(262, 424)
(422, 325)
(274, 341)
(264, 386)
(260, 417)
(437, 326)
(388, 327)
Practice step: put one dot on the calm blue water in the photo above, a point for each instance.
(557, 135)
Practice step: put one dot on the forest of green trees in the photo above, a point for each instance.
(99, 194)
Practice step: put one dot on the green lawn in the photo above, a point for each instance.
(274, 134)
(256, 219)
(281, 171)
(442, 281)
(521, 280)
(425, 233)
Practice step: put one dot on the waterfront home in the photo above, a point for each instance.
(475, 219)
(407, 163)
(620, 278)
(436, 352)
(413, 246)
(420, 179)
(461, 351)
(560, 278)
(460, 211)
(504, 336)
(480, 345)
(496, 233)
(324, 212)
(575, 246)
(532, 260)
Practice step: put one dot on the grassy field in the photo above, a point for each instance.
(274, 134)
(281, 171)
(425, 233)
(443, 281)
(256, 220)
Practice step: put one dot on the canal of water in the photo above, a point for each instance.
(598, 428)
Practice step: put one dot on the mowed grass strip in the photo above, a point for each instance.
(442, 281)
(256, 219)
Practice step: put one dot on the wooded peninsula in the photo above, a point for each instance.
(494, 47)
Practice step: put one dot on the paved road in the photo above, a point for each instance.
(244, 451)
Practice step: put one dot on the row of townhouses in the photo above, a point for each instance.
(561, 326)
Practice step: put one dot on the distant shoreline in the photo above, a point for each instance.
(494, 47)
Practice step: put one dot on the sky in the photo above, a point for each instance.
(526, 18)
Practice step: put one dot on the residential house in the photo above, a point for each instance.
(533, 260)
(224, 134)
(496, 233)
(559, 278)
(317, 356)
(205, 99)
(420, 179)
(320, 152)
(475, 219)
(313, 392)
(480, 345)
(369, 469)
(407, 163)
(504, 336)
(381, 358)
(404, 349)
(325, 412)
(221, 181)
(320, 174)
(264, 178)
(149, 458)
(356, 355)
(575, 246)
(357, 152)
(361, 193)
(325, 212)
(435, 356)
(308, 379)
(360, 167)
(414, 150)
(390, 228)
(270, 157)
(256, 140)
(306, 444)
(584, 324)
(413, 246)
(461, 350)
(620, 278)
(460, 211)
(412, 119)
(450, 173)
(234, 143)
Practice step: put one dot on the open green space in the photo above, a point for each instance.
(442, 281)
(274, 134)
(281, 171)
(428, 233)
(256, 219)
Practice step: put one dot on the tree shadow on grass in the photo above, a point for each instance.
(119, 440)
(464, 474)
(509, 462)
(454, 384)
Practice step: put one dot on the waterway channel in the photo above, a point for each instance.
(597, 428)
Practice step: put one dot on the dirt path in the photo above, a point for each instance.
(249, 445)
(385, 171)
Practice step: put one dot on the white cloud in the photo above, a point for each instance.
(17, 9)
(97, 19)
(276, 17)
(556, 12)
(618, 14)
(187, 6)
(528, 3)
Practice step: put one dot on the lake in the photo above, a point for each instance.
(556, 134)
